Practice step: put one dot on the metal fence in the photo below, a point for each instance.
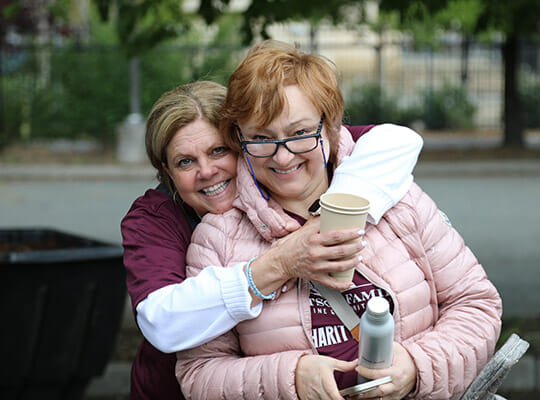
(405, 72)
(74, 84)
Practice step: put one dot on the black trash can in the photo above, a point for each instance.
(61, 306)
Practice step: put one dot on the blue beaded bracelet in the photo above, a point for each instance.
(252, 285)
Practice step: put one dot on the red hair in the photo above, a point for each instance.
(256, 89)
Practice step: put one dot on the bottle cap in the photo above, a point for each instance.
(378, 306)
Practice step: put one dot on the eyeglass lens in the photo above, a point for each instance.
(294, 145)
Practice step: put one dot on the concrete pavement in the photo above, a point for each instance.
(143, 172)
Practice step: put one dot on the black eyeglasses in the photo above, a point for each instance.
(296, 145)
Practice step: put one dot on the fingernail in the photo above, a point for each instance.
(364, 243)
(360, 258)
(361, 232)
(284, 289)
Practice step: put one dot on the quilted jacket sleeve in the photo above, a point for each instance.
(217, 369)
(463, 339)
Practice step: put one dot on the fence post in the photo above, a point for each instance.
(130, 146)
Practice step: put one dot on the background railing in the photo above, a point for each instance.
(83, 92)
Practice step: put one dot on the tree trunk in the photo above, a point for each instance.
(40, 15)
(513, 118)
(378, 58)
(313, 40)
(465, 45)
(3, 133)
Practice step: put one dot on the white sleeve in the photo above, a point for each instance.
(201, 308)
(380, 167)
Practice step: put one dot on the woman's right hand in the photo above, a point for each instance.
(403, 372)
(314, 376)
(311, 255)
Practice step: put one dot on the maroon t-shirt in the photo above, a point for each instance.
(156, 233)
(330, 336)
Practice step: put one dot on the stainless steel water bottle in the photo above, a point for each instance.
(376, 335)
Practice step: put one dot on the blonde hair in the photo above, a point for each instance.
(256, 89)
(174, 110)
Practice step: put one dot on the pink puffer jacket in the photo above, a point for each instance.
(447, 313)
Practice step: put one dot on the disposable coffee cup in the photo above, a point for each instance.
(343, 211)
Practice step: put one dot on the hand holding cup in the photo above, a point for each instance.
(342, 211)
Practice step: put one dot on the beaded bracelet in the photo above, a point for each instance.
(252, 285)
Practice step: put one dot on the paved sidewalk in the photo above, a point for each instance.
(96, 172)
(107, 172)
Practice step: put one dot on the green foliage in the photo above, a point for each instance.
(261, 14)
(460, 15)
(166, 67)
(94, 84)
(530, 101)
(88, 95)
(16, 110)
(448, 107)
(445, 108)
(171, 65)
(369, 104)
(60, 9)
(10, 10)
(510, 17)
(103, 30)
(85, 98)
(217, 61)
(142, 25)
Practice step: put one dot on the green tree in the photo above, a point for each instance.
(514, 19)
(140, 26)
(260, 14)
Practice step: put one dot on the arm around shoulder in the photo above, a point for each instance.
(172, 312)
(185, 315)
(380, 167)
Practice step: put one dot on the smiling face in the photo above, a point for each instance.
(202, 168)
(293, 180)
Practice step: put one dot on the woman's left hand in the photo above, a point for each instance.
(402, 371)
(315, 377)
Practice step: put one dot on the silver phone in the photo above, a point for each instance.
(364, 387)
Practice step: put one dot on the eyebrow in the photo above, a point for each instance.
(289, 126)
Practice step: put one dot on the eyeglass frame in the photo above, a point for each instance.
(281, 142)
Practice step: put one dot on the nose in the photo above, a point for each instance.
(283, 156)
(207, 169)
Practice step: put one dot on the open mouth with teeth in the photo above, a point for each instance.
(215, 189)
(286, 171)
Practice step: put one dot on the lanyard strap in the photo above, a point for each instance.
(342, 309)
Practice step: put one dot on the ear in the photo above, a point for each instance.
(166, 169)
